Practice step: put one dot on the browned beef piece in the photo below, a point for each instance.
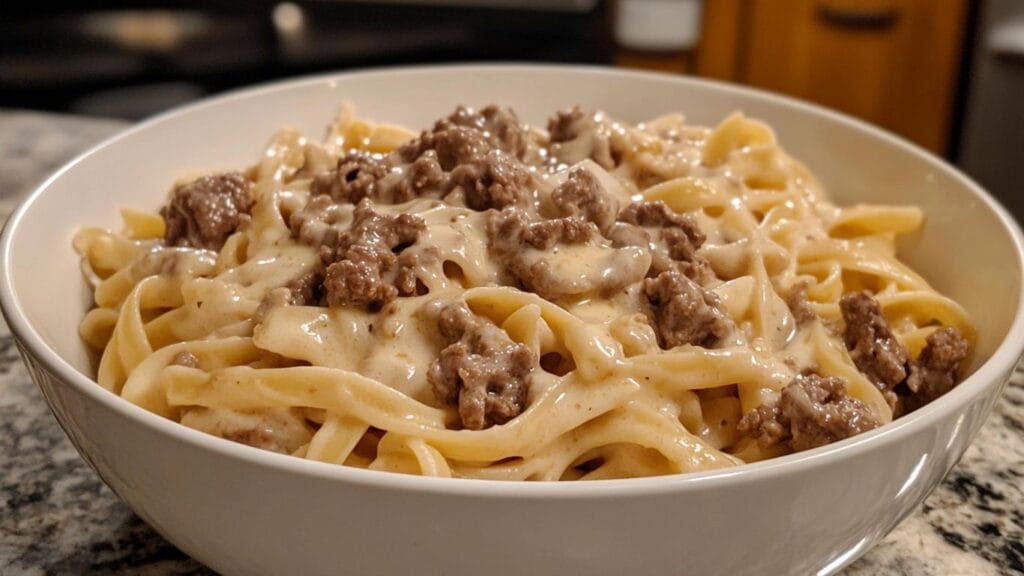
(358, 279)
(365, 258)
(493, 180)
(658, 215)
(304, 290)
(409, 262)
(934, 371)
(685, 313)
(680, 238)
(321, 224)
(307, 289)
(355, 177)
(475, 158)
(576, 135)
(871, 343)
(378, 231)
(545, 234)
(800, 306)
(482, 371)
(453, 146)
(681, 232)
(499, 125)
(811, 411)
(372, 227)
(514, 239)
(509, 230)
(582, 195)
(204, 212)
(475, 155)
(421, 177)
(564, 125)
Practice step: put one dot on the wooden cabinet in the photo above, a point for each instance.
(892, 62)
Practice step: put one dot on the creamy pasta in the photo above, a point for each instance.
(492, 300)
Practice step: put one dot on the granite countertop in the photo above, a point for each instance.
(57, 517)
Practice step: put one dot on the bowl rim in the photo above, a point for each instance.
(1002, 361)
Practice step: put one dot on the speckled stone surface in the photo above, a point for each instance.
(57, 517)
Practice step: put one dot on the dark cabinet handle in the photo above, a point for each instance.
(877, 20)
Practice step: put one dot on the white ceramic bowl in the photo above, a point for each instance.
(243, 511)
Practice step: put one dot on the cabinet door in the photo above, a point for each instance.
(891, 62)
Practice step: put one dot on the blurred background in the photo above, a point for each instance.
(947, 74)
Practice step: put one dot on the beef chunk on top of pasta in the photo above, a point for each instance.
(906, 384)
(678, 237)
(468, 133)
(482, 371)
(321, 224)
(304, 290)
(538, 255)
(424, 176)
(474, 158)
(307, 289)
(576, 135)
(356, 176)
(368, 267)
(811, 411)
(685, 313)
(800, 305)
(873, 347)
(492, 180)
(582, 195)
(498, 124)
(934, 371)
(205, 211)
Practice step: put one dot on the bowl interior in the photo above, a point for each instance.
(965, 241)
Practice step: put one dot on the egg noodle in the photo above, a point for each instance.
(616, 405)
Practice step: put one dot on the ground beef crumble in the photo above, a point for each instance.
(800, 306)
(872, 345)
(366, 268)
(515, 239)
(491, 180)
(499, 125)
(205, 211)
(453, 146)
(473, 158)
(355, 177)
(321, 224)
(304, 290)
(307, 289)
(482, 371)
(685, 313)
(679, 239)
(582, 195)
(906, 384)
(509, 230)
(934, 371)
(811, 411)
(422, 177)
(576, 135)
